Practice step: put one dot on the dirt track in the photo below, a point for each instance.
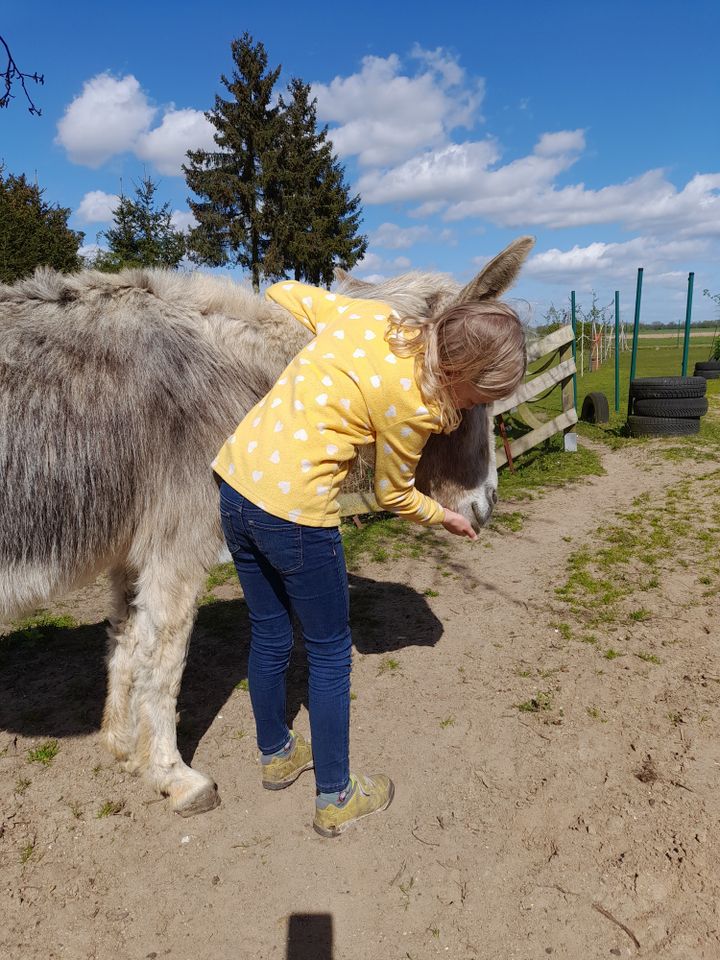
(579, 831)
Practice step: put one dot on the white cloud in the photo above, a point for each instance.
(105, 119)
(181, 130)
(617, 261)
(384, 115)
(393, 237)
(183, 220)
(97, 207)
(113, 116)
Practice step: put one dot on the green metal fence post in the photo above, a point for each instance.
(574, 328)
(688, 315)
(617, 350)
(636, 331)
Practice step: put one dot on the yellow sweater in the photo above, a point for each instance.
(344, 389)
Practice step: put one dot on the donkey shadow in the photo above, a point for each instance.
(52, 680)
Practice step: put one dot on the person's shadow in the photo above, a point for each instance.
(52, 680)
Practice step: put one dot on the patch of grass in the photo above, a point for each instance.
(220, 574)
(547, 465)
(388, 665)
(447, 722)
(111, 808)
(564, 630)
(648, 658)
(384, 537)
(541, 701)
(641, 615)
(75, 809)
(511, 521)
(244, 685)
(611, 654)
(44, 754)
(353, 695)
(430, 593)
(21, 786)
(40, 626)
(594, 713)
(27, 852)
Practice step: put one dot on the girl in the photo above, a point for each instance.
(366, 377)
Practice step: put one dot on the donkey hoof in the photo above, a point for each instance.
(190, 805)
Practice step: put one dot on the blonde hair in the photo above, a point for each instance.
(482, 343)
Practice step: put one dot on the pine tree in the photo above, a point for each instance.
(239, 182)
(143, 235)
(319, 220)
(33, 232)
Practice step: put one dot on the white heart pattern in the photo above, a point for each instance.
(231, 468)
(284, 486)
(307, 301)
(276, 402)
(326, 381)
(405, 383)
(405, 432)
(340, 334)
(359, 353)
(321, 327)
(328, 356)
(300, 435)
(391, 411)
(256, 421)
(354, 316)
(288, 286)
(322, 399)
(332, 449)
(375, 380)
(304, 362)
(299, 405)
(345, 404)
(421, 410)
(278, 427)
(305, 465)
(342, 309)
(391, 358)
(369, 335)
(299, 379)
(330, 296)
(257, 475)
(321, 489)
(252, 445)
(275, 456)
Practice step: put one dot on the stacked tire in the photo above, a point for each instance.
(708, 369)
(666, 406)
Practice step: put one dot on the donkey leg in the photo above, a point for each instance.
(165, 614)
(118, 725)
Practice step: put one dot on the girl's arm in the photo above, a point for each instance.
(312, 306)
(397, 452)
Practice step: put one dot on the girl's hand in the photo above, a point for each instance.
(457, 524)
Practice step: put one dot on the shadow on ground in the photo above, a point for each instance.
(52, 680)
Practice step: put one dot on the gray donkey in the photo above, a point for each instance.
(116, 392)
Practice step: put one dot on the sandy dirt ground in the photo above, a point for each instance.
(583, 826)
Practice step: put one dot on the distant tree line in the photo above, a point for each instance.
(270, 198)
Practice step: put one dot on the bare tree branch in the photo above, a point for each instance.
(12, 74)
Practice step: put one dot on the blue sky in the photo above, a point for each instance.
(593, 127)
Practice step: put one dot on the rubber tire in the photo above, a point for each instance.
(709, 374)
(667, 388)
(707, 365)
(662, 426)
(595, 408)
(689, 407)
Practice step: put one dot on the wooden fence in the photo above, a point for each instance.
(557, 370)
(556, 346)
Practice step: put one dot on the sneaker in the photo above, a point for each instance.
(281, 772)
(367, 795)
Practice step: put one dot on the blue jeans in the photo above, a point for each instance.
(287, 568)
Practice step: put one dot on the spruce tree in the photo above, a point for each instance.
(143, 234)
(319, 220)
(238, 184)
(32, 232)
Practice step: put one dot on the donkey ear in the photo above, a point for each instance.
(499, 275)
(350, 285)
